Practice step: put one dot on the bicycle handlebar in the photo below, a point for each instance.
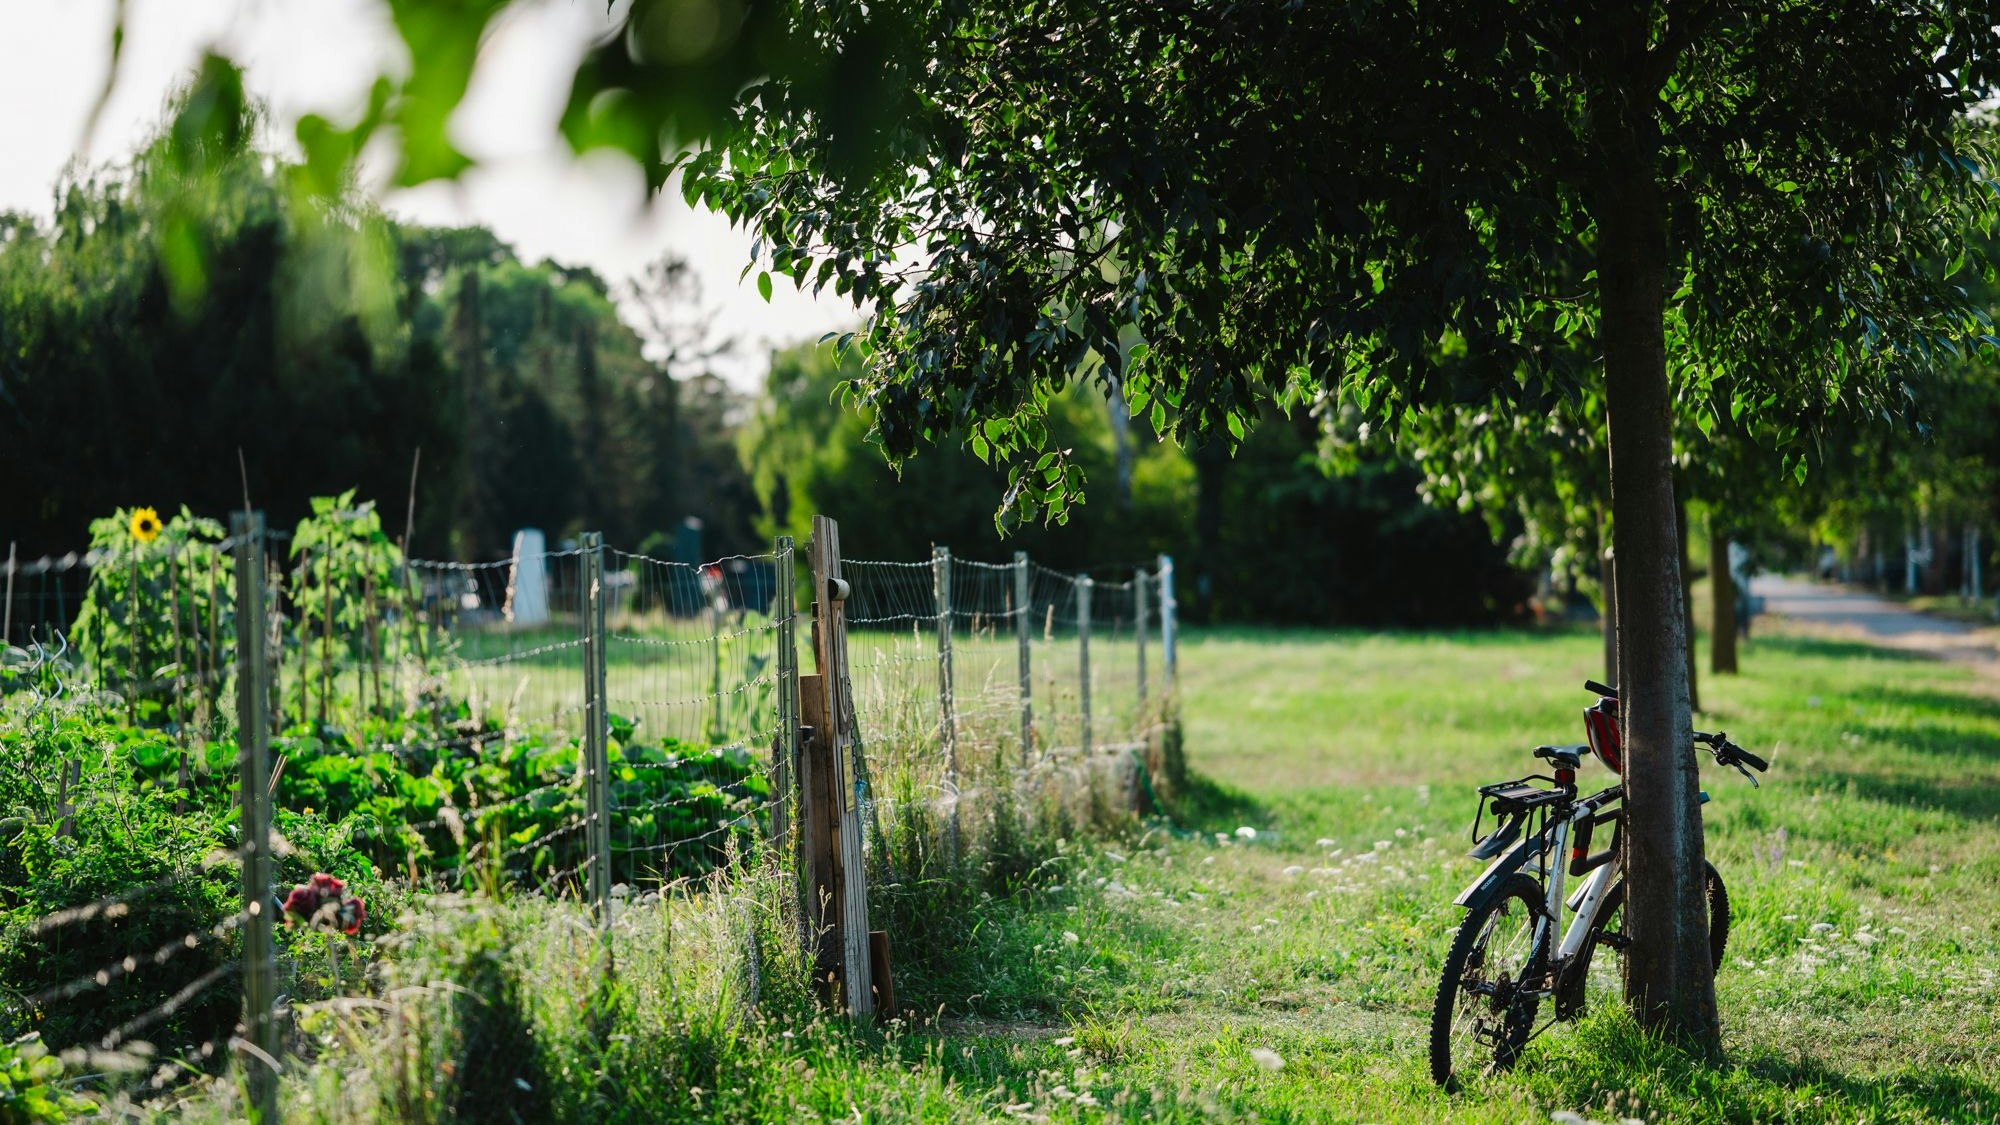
(1729, 754)
(1604, 690)
(1739, 754)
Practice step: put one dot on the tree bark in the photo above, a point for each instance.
(1687, 600)
(1607, 579)
(1722, 599)
(1669, 980)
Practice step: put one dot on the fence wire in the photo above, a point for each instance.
(437, 713)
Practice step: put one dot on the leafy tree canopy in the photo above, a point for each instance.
(1391, 203)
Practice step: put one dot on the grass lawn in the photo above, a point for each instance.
(1199, 972)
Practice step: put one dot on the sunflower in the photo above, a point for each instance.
(146, 525)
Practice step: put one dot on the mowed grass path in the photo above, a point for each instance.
(1271, 955)
(1865, 875)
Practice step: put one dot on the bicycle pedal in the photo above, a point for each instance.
(1616, 941)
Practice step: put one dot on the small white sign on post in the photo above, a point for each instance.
(528, 580)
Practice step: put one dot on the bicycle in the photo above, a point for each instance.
(1489, 995)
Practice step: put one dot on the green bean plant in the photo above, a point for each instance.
(351, 615)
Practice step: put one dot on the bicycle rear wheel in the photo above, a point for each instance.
(1596, 981)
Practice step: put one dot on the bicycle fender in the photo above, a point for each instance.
(1484, 888)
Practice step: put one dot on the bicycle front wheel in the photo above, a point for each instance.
(1485, 999)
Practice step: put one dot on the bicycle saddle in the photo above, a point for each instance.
(1569, 756)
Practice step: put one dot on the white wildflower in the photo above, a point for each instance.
(1267, 1058)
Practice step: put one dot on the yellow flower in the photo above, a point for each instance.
(146, 525)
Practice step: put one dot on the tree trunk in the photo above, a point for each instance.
(1607, 578)
(1722, 598)
(1669, 980)
(1687, 600)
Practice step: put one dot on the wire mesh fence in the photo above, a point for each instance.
(583, 721)
(972, 677)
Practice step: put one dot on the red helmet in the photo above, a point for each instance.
(1601, 724)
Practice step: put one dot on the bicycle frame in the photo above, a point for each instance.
(1543, 854)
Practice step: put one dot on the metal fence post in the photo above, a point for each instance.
(1022, 623)
(1083, 587)
(1973, 579)
(947, 704)
(1169, 622)
(253, 734)
(1139, 627)
(785, 750)
(1978, 578)
(596, 729)
(718, 727)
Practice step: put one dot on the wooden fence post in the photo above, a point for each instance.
(822, 892)
(1169, 622)
(947, 704)
(840, 891)
(253, 734)
(1083, 588)
(1023, 607)
(596, 730)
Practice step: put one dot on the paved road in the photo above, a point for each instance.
(1833, 610)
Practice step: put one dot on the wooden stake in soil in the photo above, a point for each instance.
(326, 637)
(180, 667)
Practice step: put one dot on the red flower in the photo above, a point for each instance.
(319, 903)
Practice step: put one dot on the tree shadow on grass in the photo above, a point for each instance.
(1617, 1060)
(1959, 770)
(1967, 798)
(1931, 699)
(1207, 805)
(1831, 648)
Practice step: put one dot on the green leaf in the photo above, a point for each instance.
(764, 286)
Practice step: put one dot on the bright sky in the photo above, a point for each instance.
(305, 56)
